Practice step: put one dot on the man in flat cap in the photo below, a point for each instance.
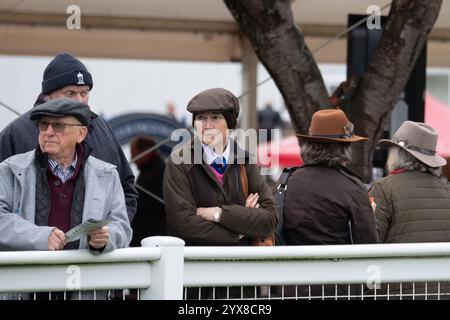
(66, 76)
(47, 191)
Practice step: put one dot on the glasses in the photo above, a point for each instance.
(57, 126)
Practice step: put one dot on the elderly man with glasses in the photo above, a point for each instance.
(47, 191)
(67, 77)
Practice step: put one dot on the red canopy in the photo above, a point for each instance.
(437, 115)
(283, 153)
(286, 152)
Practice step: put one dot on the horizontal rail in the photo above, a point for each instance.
(318, 252)
(35, 271)
(77, 256)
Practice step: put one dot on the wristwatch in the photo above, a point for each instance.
(216, 215)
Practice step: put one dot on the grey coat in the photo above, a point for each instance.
(104, 199)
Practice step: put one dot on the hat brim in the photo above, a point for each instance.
(431, 161)
(354, 138)
(41, 114)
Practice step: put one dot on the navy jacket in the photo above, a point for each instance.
(21, 136)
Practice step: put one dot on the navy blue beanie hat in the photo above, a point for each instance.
(65, 70)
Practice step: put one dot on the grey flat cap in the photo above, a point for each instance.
(63, 107)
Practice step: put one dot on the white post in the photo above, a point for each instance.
(249, 116)
(167, 272)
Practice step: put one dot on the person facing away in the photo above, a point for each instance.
(204, 193)
(412, 202)
(150, 218)
(325, 203)
(47, 191)
(171, 114)
(269, 119)
(66, 76)
(170, 111)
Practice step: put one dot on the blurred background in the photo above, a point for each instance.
(151, 57)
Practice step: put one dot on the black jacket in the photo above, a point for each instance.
(21, 136)
(150, 218)
(319, 204)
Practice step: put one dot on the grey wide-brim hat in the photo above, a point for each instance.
(419, 140)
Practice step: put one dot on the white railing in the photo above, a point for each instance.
(216, 266)
(365, 265)
(163, 267)
(150, 269)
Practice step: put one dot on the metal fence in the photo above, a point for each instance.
(164, 269)
(382, 271)
(390, 291)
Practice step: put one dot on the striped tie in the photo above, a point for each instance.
(219, 164)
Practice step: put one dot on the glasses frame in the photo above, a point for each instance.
(60, 126)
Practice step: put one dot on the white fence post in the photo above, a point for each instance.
(167, 272)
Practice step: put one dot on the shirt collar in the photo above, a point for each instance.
(54, 165)
(209, 155)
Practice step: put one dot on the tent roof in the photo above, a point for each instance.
(305, 11)
(177, 29)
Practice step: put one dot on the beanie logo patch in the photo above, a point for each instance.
(80, 78)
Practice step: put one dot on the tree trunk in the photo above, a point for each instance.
(280, 46)
(405, 33)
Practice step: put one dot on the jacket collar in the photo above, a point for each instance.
(237, 154)
(350, 172)
(341, 168)
(42, 157)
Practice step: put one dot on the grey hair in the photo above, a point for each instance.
(401, 159)
(328, 154)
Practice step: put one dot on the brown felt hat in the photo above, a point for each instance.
(330, 125)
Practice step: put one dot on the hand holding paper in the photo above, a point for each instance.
(57, 240)
(98, 238)
(85, 228)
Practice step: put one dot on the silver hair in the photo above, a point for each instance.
(401, 159)
(328, 154)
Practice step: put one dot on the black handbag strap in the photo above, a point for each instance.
(279, 195)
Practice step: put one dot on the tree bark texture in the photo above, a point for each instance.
(405, 33)
(280, 46)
